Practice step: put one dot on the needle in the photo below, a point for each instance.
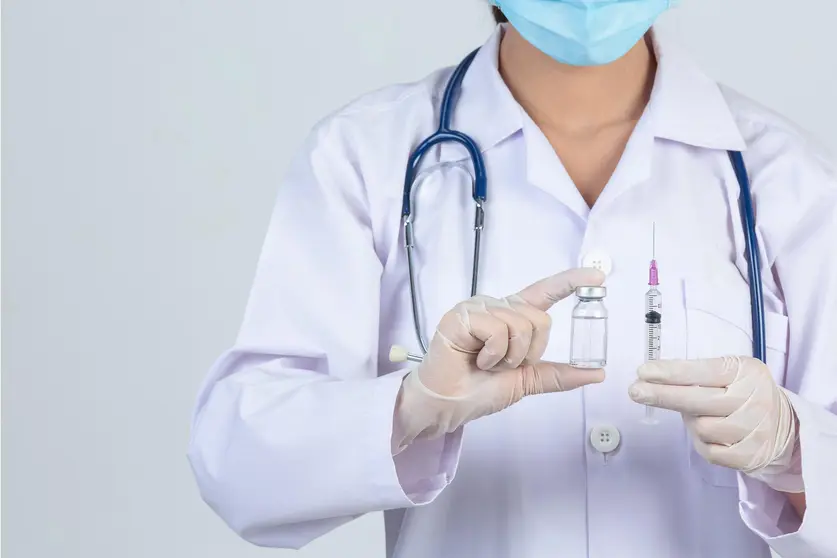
(654, 241)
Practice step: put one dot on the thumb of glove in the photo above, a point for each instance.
(552, 377)
(546, 292)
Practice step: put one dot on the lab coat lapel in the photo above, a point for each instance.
(485, 109)
(634, 167)
(545, 170)
(687, 106)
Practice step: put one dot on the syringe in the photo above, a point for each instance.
(653, 317)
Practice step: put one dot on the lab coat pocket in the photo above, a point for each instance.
(714, 475)
(719, 323)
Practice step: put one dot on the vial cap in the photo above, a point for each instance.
(591, 292)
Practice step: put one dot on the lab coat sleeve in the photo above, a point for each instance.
(291, 432)
(800, 227)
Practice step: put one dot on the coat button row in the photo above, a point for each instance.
(599, 260)
(605, 438)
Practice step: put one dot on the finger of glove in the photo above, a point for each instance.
(493, 333)
(713, 372)
(723, 431)
(691, 400)
(718, 454)
(455, 326)
(541, 327)
(710, 452)
(551, 377)
(713, 453)
(546, 292)
(520, 335)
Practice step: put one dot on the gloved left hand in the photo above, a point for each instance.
(737, 415)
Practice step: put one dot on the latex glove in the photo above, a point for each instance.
(486, 356)
(737, 415)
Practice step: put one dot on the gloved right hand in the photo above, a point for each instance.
(486, 356)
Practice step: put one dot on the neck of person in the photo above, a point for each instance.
(575, 100)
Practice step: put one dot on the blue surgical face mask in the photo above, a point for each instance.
(583, 32)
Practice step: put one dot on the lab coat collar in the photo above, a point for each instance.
(485, 108)
(686, 105)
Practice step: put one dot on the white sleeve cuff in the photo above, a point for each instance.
(768, 512)
(426, 467)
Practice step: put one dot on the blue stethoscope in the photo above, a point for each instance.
(446, 135)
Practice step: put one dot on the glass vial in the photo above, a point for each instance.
(588, 341)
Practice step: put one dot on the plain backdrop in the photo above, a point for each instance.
(143, 143)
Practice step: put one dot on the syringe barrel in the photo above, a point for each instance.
(653, 300)
(653, 322)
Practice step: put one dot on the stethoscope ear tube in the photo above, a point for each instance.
(748, 219)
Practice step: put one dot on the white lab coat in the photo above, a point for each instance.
(291, 434)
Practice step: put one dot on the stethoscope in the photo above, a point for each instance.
(479, 189)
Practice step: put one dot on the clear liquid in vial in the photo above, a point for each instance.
(588, 342)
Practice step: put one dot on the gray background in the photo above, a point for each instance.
(142, 146)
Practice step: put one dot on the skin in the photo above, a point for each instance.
(798, 503)
(587, 113)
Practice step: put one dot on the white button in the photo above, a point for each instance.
(599, 260)
(605, 439)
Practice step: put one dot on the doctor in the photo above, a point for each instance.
(592, 129)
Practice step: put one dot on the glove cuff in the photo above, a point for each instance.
(784, 477)
(422, 414)
(784, 472)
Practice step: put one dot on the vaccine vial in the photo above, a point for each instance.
(588, 337)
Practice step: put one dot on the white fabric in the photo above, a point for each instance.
(292, 430)
(486, 356)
